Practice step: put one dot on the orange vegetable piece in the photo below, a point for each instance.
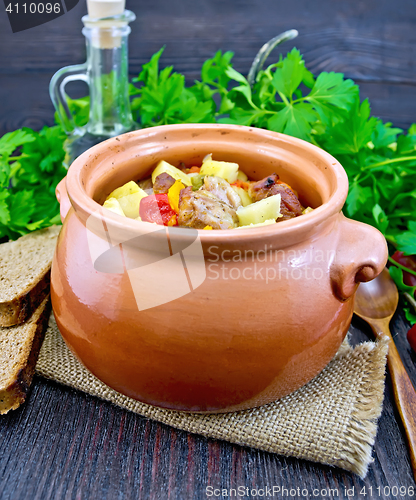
(194, 170)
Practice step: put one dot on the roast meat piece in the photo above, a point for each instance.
(162, 183)
(261, 189)
(199, 209)
(290, 206)
(222, 190)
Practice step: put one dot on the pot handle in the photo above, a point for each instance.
(361, 256)
(63, 198)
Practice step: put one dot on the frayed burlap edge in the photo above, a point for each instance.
(360, 440)
(331, 420)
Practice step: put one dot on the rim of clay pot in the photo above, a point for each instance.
(80, 173)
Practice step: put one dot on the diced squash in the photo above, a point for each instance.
(128, 197)
(223, 169)
(113, 205)
(241, 176)
(265, 223)
(244, 196)
(126, 189)
(208, 228)
(130, 204)
(164, 166)
(307, 210)
(173, 195)
(261, 211)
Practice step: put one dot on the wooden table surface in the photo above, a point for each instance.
(63, 444)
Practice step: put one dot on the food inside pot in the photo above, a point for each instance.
(216, 195)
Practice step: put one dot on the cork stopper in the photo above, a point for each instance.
(97, 9)
(107, 21)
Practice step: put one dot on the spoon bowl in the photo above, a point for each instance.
(377, 299)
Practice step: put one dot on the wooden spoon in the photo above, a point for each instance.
(376, 302)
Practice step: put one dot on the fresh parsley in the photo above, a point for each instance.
(30, 168)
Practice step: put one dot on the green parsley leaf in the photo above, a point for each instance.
(289, 76)
(4, 208)
(295, 120)
(12, 140)
(331, 89)
(385, 135)
(406, 242)
(351, 135)
(397, 275)
(214, 71)
(357, 198)
(380, 218)
(410, 315)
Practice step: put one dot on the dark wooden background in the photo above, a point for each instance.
(63, 444)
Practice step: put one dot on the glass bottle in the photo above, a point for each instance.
(106, 73)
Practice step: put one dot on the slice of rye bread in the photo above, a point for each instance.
(25, 266)
(19, 351)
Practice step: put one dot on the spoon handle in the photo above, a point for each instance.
(404, 392)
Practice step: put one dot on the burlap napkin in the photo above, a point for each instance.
(332, 420)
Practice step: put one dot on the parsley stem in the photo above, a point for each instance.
(300, 99)
(386, 162)
(283, 98)
(410, 299)
(400, 214)
(358, 177)
(403, 268)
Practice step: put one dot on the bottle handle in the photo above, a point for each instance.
(60, 98)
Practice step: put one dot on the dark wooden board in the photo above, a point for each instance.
(373, 42)
(63, 444)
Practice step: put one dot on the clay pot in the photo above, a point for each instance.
(208, 321)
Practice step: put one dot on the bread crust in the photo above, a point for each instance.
(21, 308)
(13, 394)
(18, 307)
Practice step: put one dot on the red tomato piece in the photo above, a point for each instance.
(408, 261)
(156, 208)
(411, 337)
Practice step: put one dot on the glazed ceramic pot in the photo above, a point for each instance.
(208, 321)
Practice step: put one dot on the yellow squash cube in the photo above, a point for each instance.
(165, 167)
(113, 205)
(131, 204)
(244, 196)
(261, 211)
(241, 176)
(223, 169)
(124, 190)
